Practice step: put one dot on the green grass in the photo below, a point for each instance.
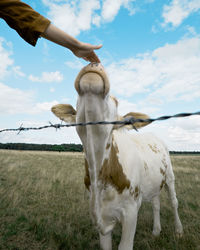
(42, 205)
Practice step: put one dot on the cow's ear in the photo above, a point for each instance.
(65, 112)
(137, 115)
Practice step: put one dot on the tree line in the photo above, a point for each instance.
(184, 152)
(62, 147)
(43, 147)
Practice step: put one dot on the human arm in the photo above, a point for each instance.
(80, 49)
(30, 25)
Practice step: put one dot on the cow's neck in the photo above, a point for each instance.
(95, 142)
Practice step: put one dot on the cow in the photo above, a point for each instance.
(122, 169)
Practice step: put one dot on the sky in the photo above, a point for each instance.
(151, 53)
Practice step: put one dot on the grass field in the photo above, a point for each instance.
(42, 205)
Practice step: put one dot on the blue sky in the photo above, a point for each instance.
(151, 52)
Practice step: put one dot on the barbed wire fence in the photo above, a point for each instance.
(127, 121)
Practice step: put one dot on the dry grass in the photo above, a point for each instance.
(42, 205)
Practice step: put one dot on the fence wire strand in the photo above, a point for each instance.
(127, 121)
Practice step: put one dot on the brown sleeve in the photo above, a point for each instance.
(28, 23)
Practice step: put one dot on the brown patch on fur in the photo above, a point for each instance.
(162, 184)
(108, 146)
(162, 171)
(137, 191)
(115, 147)
(87, 175)
(154, 148)
(112, 171)
(164, 162)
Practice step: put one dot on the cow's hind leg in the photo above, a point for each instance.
(174, 201)
(156, 215)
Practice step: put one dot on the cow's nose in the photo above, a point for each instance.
(97, 66)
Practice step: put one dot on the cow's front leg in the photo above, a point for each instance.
(129, 221)
(106, 241)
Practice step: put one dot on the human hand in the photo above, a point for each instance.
(86, 51)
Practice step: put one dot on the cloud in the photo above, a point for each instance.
(178, 65)
(43, 107)
(133, 75)
(111, 8)
(13, 100)
(73, 16)
(17, 71)
(76, 16)
(191, 124)
(191, 30)
(175, 133)
(178, 10)
(6, 61)
(184, 133)
(126, 106)
(16, 101)
(47, 77)
(171, 72)
(178, 134)
(52, 90)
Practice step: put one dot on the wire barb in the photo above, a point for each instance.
(20, 128)
(126, 121)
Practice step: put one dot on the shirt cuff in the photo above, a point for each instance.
(36, 29)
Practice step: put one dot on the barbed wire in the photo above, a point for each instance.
(127, 121)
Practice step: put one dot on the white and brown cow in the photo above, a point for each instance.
(122, 169)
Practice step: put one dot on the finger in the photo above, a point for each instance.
(93, 57)
(96, 59)
(88, 59)
(97, 46)
(90, 47)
